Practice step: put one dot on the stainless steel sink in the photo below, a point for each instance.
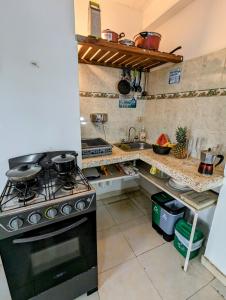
(133, 146)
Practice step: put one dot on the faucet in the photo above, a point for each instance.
(129, 139)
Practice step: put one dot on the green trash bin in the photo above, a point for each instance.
(158, 200)
(165, 212)
(182, 236)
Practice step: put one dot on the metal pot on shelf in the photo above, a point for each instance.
(112, 36)
(147, 40)
(127, 42)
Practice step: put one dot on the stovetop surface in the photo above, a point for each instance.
(95, 142)
(49, 185)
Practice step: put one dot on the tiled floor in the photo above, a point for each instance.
(135, 263)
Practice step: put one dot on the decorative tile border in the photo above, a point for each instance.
(176, 95)
(98, 95)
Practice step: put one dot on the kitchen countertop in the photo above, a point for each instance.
(184, 170)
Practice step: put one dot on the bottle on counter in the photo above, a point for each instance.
(143, 135)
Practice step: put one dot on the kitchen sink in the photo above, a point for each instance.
(133, 146)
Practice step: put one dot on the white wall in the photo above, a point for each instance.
(156, 12)
(199, 28)
(216, 246)
(114, 16)
(39, 106)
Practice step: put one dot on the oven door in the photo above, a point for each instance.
(38, 260)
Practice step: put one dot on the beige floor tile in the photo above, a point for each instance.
(134, 193)
(99, 203)
(104, 219)
(219, 287)
(94, 296)
(164, 267)
(4, 289)
(143, 202)
(124, 211)
(113, 249)
(140, 235)
(114, 199)
(126, 282)
(207, 293)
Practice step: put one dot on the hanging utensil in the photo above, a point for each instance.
(144, 93)
(124, 84)
(136, 80)
(132, 80)
(139, 88)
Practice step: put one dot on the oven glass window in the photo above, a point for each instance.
(55, 255)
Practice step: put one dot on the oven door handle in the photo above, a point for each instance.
(51, 234)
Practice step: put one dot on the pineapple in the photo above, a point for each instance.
(180, 150)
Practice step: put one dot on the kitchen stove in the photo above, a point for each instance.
(45, 193)
(51, 213)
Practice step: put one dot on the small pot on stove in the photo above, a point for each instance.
(65, 163)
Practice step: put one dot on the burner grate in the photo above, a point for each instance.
(48, 185)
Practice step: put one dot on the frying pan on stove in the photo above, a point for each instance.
(23, 172)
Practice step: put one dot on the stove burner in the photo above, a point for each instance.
(48, 185)
(25, 196)
(25, 191)
(68, 185)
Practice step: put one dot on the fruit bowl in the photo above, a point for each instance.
(163, 150)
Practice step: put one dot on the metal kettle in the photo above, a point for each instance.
(208, 158)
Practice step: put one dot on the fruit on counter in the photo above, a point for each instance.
(162, 140)
(179, 150)
(168, 144)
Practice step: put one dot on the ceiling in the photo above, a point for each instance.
(136, 4)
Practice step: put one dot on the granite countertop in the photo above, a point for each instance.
(185, 170)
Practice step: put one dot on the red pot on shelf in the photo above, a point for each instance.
(111, 36)
(147, 40)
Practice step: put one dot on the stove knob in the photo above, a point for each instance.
(16, 223)
(34, 218)
(80, 205)
(89, 200)
(66, 209)
(51, 213)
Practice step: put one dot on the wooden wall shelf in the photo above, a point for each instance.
(101, 52)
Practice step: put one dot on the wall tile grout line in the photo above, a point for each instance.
(149, 276)
(120, 264)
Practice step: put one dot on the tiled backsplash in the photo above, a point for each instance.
(98, 86)
(119, 119)
(198, 101)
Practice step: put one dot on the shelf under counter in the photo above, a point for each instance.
(114, 174)
(144, 171)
